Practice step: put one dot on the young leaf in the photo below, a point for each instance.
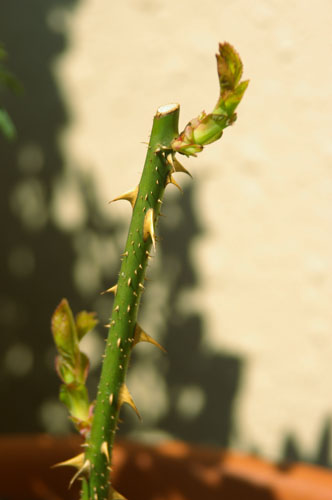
(7, 126)
(64, 331)
(77, 401)
(85, 322)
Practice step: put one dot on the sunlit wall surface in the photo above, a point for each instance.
(242, 282)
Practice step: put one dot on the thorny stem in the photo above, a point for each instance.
(121, 336)
(124, 332)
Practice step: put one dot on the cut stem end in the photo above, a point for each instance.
(167, 108)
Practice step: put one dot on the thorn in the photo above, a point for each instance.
(85, 468)
(170, 180)
(108, 325)
(128, 308)
(176, 165)
(111, 398)
(125, 254)
(76, 461)
(115, 495)
(169, 158)
(113, 289)
(104, 450)
(125, 397)
(180, 168)
(141, 286)
(117, 309)
(148, 227)
(130, 196)
(141, 336)
(129, 281)
(160, 149)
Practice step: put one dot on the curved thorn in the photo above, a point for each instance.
(104, 450)
(176, 165)
(115, 495)
(76, 461)
(180, 168)
(130, 196)
(148, 227)
(125, 397)
(141, 336)
(170, 159)
(170, 180)
(113, 289)
(85, 468)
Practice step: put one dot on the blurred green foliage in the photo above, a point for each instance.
(7, 82)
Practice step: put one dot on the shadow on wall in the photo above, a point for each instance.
(43, 255)
(200, 385)
(292, 450)
(50, 250)
(203, 384)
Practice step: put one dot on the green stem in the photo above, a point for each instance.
(85, 490)
(129, 289)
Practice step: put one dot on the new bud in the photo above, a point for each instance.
(208, 128)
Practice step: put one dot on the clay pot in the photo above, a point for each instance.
(170, 471)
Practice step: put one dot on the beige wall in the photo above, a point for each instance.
(263, 194)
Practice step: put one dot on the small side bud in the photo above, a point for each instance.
(208, 128)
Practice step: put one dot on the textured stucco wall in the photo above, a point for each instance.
(262, 195)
